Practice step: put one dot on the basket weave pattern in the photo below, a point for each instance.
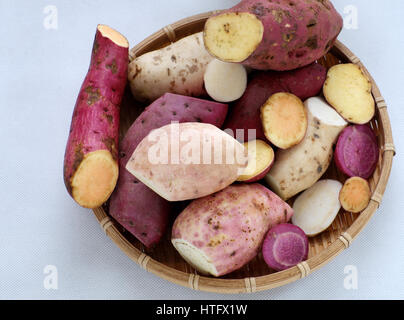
(165, 262)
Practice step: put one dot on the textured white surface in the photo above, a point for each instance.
(41, 73)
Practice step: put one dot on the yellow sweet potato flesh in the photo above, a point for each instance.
(95, 179)
(233, 37)
(284, 120)
(260, 158)
(348, 90)
(355, 195)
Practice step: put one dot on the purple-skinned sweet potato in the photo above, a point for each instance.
(136, 207)
(91, 156)
(222, 232)
(357, 151)
(273, 35)
(245, 113)
(285, 246)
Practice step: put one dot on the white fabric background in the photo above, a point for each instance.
(40, 74)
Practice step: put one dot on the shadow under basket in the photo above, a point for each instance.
(164, 261)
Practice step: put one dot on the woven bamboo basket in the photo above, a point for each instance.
(166, 263)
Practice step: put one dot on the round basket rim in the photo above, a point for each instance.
(273, 280)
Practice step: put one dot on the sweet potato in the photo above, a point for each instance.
(355, 195)
(285, 246)
(284, 120)
(316, 208)
(299, 167)
(139, 209)
(349, 91)
(177, 68)
(304, 83)
(357, 151)
(91, 156)
(273, 35)
(225, 82)
(188, 160)
(222, 232)
(261, 157)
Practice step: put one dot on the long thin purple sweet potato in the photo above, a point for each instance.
(91, 156)
(357, 151)
(136, 207)
(304, 83)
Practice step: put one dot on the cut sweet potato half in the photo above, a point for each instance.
(233, 37)
(355, 195)
(348, 90)
(261, 157)
(284, 120)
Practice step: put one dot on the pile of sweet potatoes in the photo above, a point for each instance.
(240, 119)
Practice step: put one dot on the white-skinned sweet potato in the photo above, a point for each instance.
(177, 68)
(299, 167)
(222, 232)
(316, 208)
(188, 160)
(225, 82)
(91, 156)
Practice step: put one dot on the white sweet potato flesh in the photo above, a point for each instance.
(348, 90)
(284, 120)
(355, 195)
(299, 167)
(177, 68)
(316, 208)
(222, 232)
(225, 82)
(233, 36)
(261, 157)
(187, 160)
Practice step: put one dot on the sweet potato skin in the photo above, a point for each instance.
(296, 33)
(95, 120)
(304, 83)
(186, 177)
(135, 206)
(229, 226)
(177, 68)
(357, 151)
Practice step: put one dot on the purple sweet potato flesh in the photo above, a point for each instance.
(245, 113)
(136, 207)
(357, 151)
(285, 246)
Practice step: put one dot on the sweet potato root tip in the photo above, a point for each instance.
(355, 195)
(95, 179)
(284, 120)
(113, 35)
(233, 37)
